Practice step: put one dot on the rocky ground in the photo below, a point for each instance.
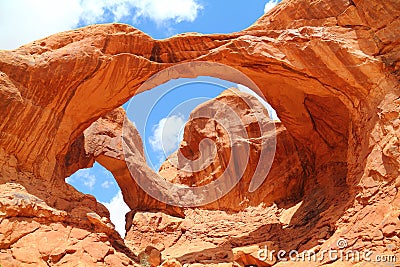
(329, 68)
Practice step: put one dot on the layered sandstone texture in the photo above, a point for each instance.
(241, 137)
(329, 68)
(115, 143)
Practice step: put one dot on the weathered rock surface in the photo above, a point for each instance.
(35, 234)
(329, 68)
(237, 119)
(103, 142)
(206, 237)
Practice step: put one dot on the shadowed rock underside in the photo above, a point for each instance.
(329, 68)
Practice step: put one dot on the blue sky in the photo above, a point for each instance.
(165, 109)
(23, 21)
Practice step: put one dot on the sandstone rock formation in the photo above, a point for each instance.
(235, 114)
(102, 142)
(329, 68)
(35, 233)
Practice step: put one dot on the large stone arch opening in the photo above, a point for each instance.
(321, 145)
(333, 80)
(117, 69)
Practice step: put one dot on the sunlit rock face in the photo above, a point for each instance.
(103, 142)
(241, 137)
(329, 68)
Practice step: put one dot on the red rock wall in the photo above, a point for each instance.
(329, 68)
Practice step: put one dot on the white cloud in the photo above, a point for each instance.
(270, 5)
(89, 180)
(118, 209)
(161, 10)
(167, 134)
(271, 111)
(158, 11)
(69, 179)
(106, 184)
(23, 21)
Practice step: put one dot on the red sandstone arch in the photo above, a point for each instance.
(332, 76)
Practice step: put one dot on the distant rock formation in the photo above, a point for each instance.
(103, 143)
(237, 119)
(330, 69)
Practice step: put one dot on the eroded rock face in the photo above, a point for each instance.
(329, 68)
(36, 234)
(237, 119)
